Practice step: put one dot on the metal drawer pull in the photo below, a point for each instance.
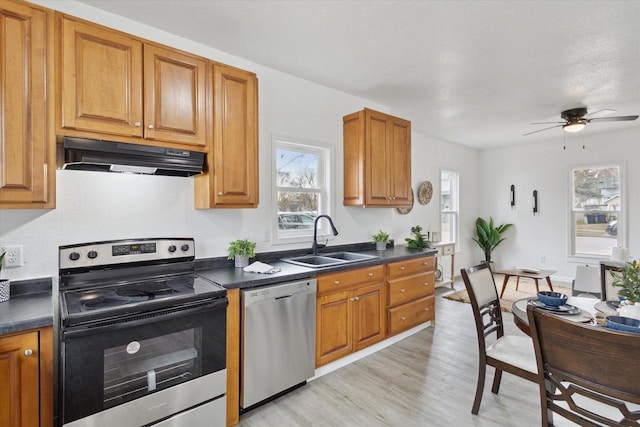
(357, 298)
(426, 283)
(402, 268)
(336, 282)
(137, 124)
(28, 352)
(402, 290)
(220, 193)
(370, 274)
(150, 126)
(426, 309)
(403, 318)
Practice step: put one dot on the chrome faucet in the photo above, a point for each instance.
(315, 246)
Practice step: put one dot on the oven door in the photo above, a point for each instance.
(145, 368)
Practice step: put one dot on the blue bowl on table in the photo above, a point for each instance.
(626, 324)
(553, 299)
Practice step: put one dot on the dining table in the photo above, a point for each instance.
(577, 309)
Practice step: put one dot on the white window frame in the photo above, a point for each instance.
(572, 211)
(325, 152)
(453, 210)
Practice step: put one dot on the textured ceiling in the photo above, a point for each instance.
(475, 73)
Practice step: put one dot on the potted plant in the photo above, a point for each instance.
(629, 284)
(489, 236)
(241, 250)
(5, 291)
(381, 238)
(419, 240)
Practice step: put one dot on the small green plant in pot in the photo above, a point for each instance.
(4, 283)
(241, 250)
(381, 238)
(489, 236)
(419, 240)
(629, 292)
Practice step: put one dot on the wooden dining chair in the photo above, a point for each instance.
(509, 353)
(607, 272)
(587, 374)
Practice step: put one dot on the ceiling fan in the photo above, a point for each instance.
(576, 119)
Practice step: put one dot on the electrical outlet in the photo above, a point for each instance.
(13, 257)
(543, 258)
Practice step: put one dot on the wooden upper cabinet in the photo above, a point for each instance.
(175, 96)
(114, 86)
(27, 144)
(377, 160)
(101, 74)
(231, 180)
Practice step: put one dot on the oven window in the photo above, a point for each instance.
(140, 367)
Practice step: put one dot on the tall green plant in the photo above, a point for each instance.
(489, 236)
(629, 283)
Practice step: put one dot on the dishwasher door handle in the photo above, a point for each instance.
(283, 296)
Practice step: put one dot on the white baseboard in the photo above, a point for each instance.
(330, 367)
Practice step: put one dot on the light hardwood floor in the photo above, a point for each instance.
(427, 379)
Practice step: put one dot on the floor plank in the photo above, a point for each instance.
(427, 379)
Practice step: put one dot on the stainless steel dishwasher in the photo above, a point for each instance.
(278, 339)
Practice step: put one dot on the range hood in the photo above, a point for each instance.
(108, 156)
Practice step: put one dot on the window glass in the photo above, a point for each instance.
(301, 188)
(449, 206)
(596, 210)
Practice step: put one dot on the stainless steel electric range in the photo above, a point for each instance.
(142, 337)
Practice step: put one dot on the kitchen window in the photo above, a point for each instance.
(449, 206)
(596, 211)
(302, 188)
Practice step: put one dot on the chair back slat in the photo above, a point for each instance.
(608, 273)
(484, 300)
(592, 361)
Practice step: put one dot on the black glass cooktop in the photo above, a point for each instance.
(186, 286)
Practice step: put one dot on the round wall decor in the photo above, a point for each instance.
(405, 211)
(425, 192)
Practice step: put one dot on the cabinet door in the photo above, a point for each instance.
(27, 155)
(174, 96)
(19, 380)
(400, 162)
(334, 327)
(376, 164)
(231, 178)
(101, 78)
(368, 315)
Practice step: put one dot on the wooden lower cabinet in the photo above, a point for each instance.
(26, 378)
(349, 313)
(410, 293)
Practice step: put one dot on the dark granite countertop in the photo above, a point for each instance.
(30, 306)
(231, 277)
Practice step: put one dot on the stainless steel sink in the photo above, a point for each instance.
(327, 260)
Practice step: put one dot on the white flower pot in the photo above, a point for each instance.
(5, 290)
(381, 246)
(630, 310)
(241, 261)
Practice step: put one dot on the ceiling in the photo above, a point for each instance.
(475, 73)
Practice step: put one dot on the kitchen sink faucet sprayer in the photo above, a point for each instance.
(315, 246)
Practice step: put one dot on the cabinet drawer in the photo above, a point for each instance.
(410, 266)
(339, 281)
(410, 288)
(408, 315)
(444, 250)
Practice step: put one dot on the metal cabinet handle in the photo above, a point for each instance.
(426, 283)
(220, 193)
(28, 352)
(357, 298)
(137, 124)
(351, 299)
(402, 290)
(336, 282)
(403, 318)
(370, 274)
(150, 126)
(426, 309)
(402, 268)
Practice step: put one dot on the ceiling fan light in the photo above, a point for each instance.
(575, 126)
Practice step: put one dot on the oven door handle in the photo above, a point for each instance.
(139, 319)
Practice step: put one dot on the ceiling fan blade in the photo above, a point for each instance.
(547, 123)
(540, 130)
(613, 119)
(604, 112)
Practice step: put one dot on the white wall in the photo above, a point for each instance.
(545, 166)
(94, 206)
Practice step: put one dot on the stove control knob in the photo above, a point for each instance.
(74, 256)
(92, 254)
(184, 247)
(172, 248)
